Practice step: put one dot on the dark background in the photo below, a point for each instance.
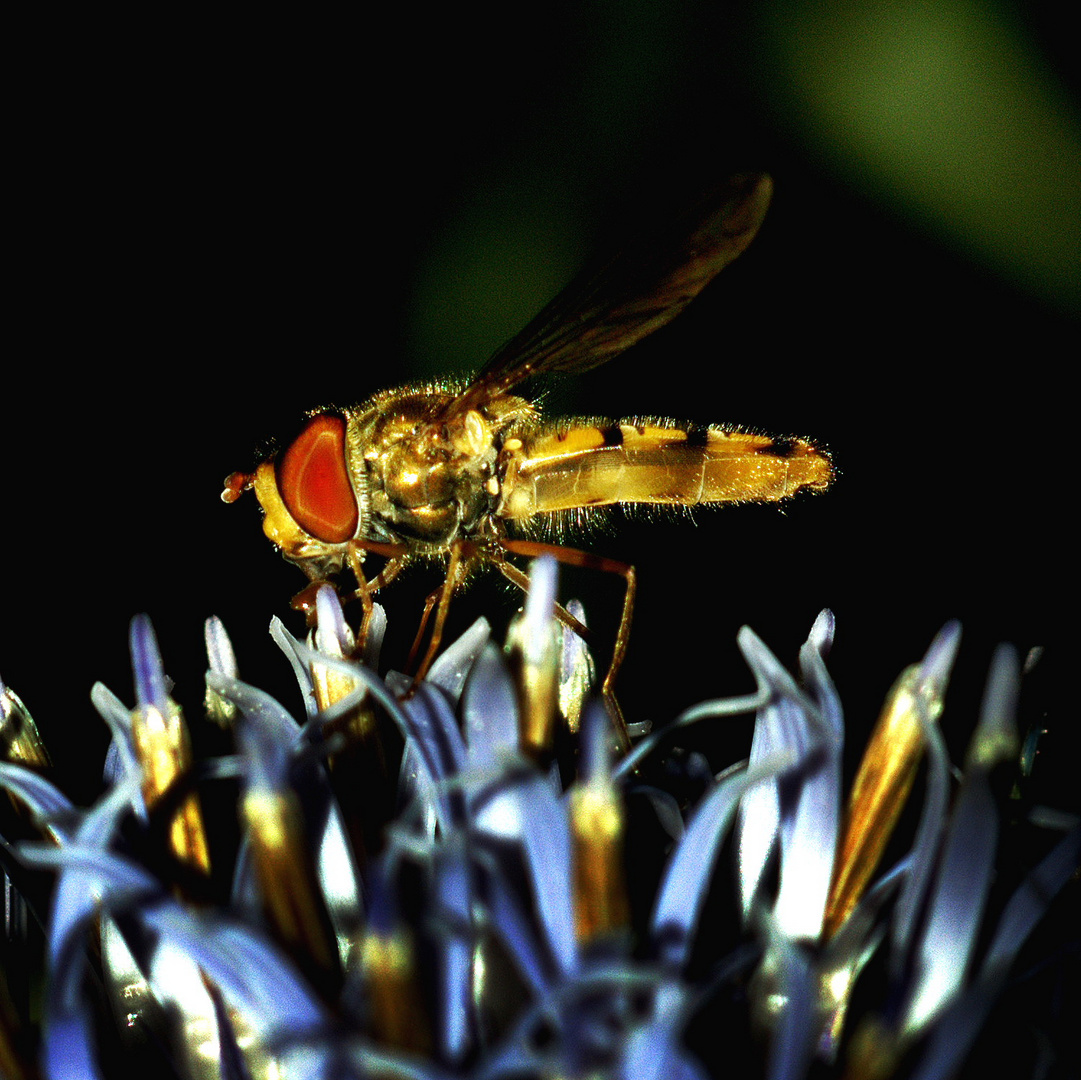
(218, 224)
(221, 224)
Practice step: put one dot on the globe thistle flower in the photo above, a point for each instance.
(445, 879)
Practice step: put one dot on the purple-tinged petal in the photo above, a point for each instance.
(653, 1050)
(820, 639)
(707, 710)
(267, 737)
(807, 820)
(808, 848)
(382, 915)
(964, 877)
(416, 783)
(576, 672)
(373, 644)
(453, 665)
(275, 1006)
(954, 1033)
(222, 661)
(540, 598)
(453, 884)
(925, 849)
(51, 808)
(89, 874)
(121, 760)
(510, 922)
(546, 842)
(68, 1050)
(595, 754)
(424, 719)
(1027, 905)
(339, 881)
(959, 1024)
(250, 972)
(490, 711)
(804, 888)
(937, 663)
(529, 814)
(817, 683)
(787, 989)
(88, 877)
(332, 633)
(434, 755)
(301, 668)
(995, 739)
(250, 975)
(495, 804)
(690, 868)
(760, 809)
(150, 685)
(219, 649)
(435, 730)
(759, 825)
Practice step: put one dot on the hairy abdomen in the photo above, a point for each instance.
(593, 465)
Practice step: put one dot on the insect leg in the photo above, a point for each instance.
(536, 668)
(394, 554)
(521, 579)
(588, 561)
(304, 601)
(462, 552)
(414, 650)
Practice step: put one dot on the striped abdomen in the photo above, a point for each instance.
(600, 464)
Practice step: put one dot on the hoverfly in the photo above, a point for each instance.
(457, 472)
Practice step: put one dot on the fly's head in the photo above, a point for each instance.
(313, 494)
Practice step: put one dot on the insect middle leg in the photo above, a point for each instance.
(462, 555)
(587, 561)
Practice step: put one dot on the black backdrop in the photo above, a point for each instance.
(218, 224)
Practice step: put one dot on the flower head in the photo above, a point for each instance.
(443, 879)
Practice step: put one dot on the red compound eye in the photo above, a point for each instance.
(314, 481)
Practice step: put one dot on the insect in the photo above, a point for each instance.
(462, 473)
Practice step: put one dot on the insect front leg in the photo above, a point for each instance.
(304, 601)
(395, 554)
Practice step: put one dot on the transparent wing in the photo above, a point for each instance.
(603, 312)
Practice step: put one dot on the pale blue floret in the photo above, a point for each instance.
(487, 833)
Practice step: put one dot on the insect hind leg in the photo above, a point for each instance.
(588, 561)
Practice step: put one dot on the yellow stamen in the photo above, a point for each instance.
(880, 791)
